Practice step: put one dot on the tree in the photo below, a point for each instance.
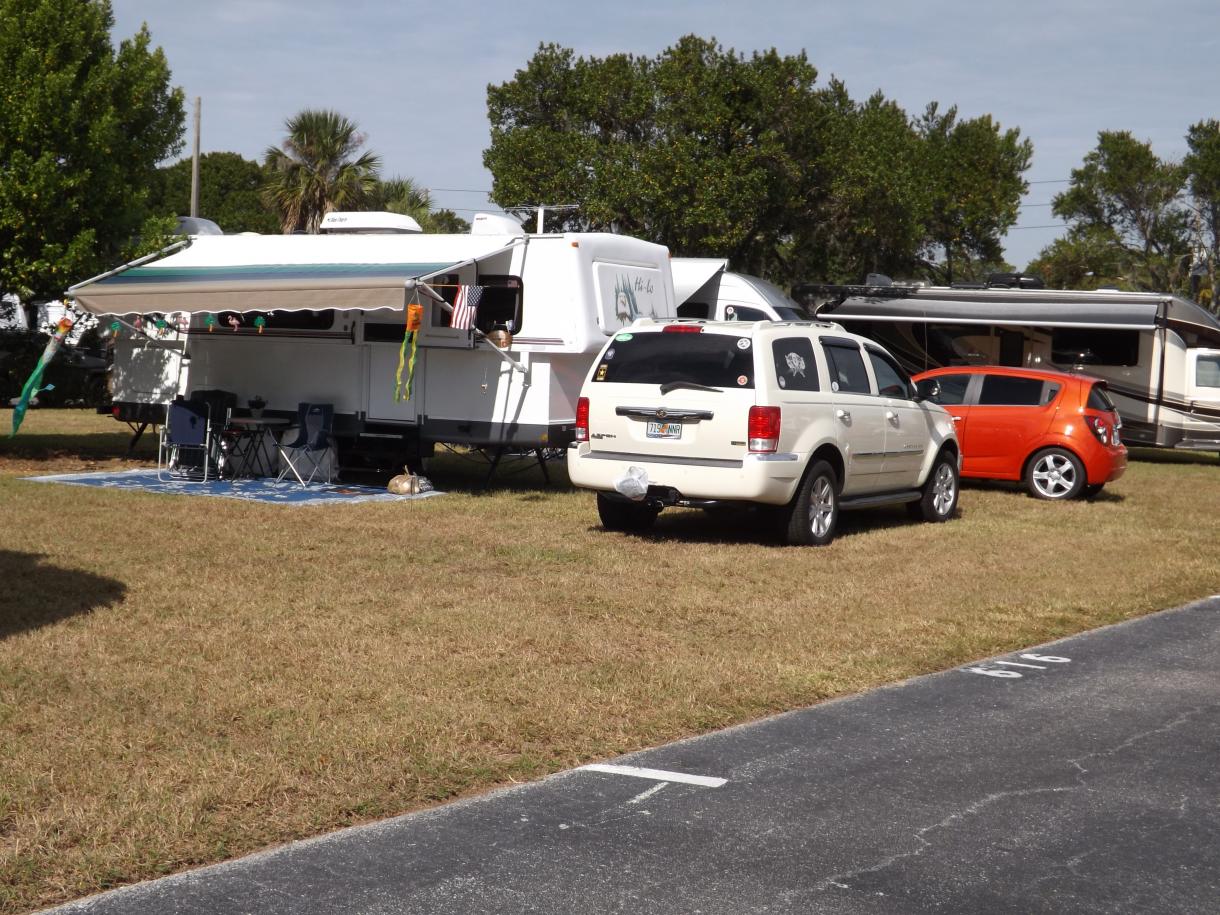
(1202, 165)
(973, 175)
(82, 128)
(317, 170)
(700, 148)
(1123, 192)
(230, 192)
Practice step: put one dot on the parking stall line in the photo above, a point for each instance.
(660, 775)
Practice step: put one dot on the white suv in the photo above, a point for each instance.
(805, 417)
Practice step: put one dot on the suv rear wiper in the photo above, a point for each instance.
(674, 385)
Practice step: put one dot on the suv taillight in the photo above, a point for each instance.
(582, 419)
(763, 429)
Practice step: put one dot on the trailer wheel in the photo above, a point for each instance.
(628, 517)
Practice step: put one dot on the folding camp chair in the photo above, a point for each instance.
(189, 448)
(311, 449)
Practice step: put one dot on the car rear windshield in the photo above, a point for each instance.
(715, 360)
(1099, 399)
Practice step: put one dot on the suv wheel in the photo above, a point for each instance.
(1056, 474)
(621, 515)
(814, 513)
(939, 498)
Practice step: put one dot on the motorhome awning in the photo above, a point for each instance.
(1134, 312)
(285, 272)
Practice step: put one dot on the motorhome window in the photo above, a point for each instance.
(959, 344)
(384, 331)
(1207, 371)
(715, 360)
(846, 367)
(1099, 399)
(1011, 391)
(785, 307)
(795, 367)
(946, 390)
(891, 380)
(742, 313)
(277, 320)
(694, 310)
(1080, 346)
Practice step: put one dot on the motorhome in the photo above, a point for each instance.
(322, 318)
(705, 288)
(1159, 354)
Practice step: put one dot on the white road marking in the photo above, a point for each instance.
(660, 775)
(646, 794)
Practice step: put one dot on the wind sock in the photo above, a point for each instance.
(415, 313)
(32, 384)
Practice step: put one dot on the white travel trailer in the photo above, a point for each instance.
(703, 288)
(1159, 354)
(321, 318)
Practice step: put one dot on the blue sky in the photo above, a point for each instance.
(414, 75)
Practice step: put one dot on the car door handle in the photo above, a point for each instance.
(892, 417)
(843, 415)
(958, 419)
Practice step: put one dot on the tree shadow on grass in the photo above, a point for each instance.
(37, 594)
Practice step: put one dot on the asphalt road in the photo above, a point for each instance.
(1081, 776)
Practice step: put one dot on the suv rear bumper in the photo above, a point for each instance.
(770, 479)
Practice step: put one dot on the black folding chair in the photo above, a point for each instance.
(189, 448)
(312, 446)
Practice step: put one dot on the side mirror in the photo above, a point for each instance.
(933, 392)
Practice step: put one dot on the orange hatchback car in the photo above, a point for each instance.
(1058, 433)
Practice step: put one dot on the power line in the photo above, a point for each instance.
(1053, 225)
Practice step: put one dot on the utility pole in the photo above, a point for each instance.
(195, 163)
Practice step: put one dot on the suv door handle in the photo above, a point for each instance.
(892, 417)
(843, 415)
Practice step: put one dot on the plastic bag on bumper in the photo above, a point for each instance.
(633, 484)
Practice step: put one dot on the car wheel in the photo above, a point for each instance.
(814, 513)
(621, 515)
(938, 501)
(1091, 490)
(1055, 474)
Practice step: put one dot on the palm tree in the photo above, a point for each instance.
(403, 196)
(315, 171)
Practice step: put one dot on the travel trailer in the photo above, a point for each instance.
(703, 288)
(1159, 354)
(322, 318)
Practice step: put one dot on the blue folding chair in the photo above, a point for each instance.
(312, 446)
(189, 447)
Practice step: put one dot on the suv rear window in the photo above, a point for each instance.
(716, 360)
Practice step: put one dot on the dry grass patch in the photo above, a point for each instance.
(185, 680)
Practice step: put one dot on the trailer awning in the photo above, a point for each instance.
(286, 273)
(1135, 313)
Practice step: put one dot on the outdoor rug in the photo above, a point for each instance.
(258, 490)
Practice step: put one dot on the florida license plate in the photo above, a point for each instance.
(664, 430)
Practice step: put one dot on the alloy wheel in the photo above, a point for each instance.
(1054, 475)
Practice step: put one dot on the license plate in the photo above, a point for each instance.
(664, 430)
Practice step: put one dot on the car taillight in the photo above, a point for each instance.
(1100, 428)
(582, 419)
(763, 429)
(682, 329)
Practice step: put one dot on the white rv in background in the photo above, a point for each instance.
(321, 318)
(704, 288)
(1159, 354)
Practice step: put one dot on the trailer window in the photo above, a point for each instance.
(499, 304)
(715, 360)
(1207, 371)
(1081, 346)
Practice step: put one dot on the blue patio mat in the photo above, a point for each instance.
(258, 490)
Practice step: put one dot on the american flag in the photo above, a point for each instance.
(466, 307)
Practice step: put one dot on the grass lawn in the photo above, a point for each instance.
(184, 680)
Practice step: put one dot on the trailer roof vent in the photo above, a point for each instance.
(368, 224)
(495, 224)
(197, 225)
